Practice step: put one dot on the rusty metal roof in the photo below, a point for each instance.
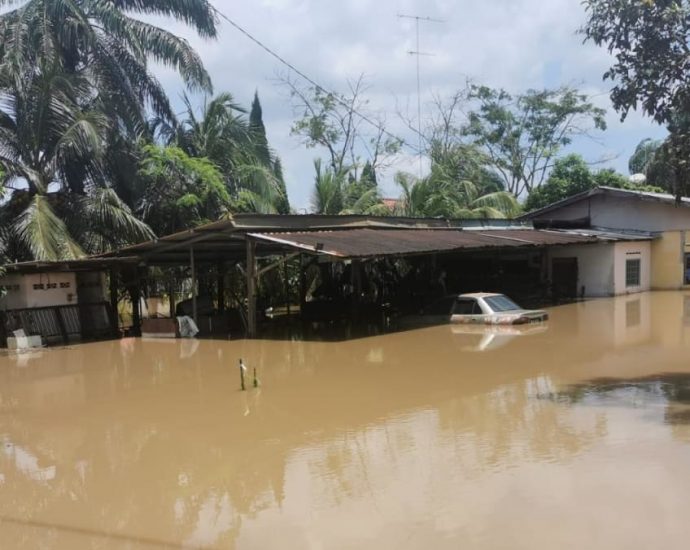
(360, 243)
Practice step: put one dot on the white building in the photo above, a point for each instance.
(656, 214)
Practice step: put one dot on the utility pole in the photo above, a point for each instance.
(418, 53)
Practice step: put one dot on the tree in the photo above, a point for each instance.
(74, 84)
(223, 136)
(177, 191)
(338, 193)
(335, 123)
(643, 156)
(44, 131)
(264, 153)
(572, 175)
(436, 196)
(523, 134)
(649, 41)
(328, 190)
(110, 48)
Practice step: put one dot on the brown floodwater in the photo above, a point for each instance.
(577, 436)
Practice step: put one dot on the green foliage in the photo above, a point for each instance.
(238, 148)
(334, 124)
(572, 175)
(104, 43)
(649, 41)
(643, 156)
(522, 135)
(438, 197)
(179, 191)
(76, 93)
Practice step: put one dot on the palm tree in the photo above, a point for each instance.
(75, 83)
(223, 135)
(107, 45)
(329, 190)
(438, 196)
(43, 132)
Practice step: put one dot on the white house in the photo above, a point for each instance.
(657, 215)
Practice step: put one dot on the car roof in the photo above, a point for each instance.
(480, 295)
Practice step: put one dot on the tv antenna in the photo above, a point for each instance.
(418, 53)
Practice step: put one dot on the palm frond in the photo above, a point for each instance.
(44, 234)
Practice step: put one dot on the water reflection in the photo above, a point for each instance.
(671, 391)
(403, 440)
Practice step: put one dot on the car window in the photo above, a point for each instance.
(501, 303)
(465, 306)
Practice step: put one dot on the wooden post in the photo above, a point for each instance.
(302, 284)
(251, 288)
(242, 369)
(171, 296)
(221, 286)
(194, 290)
(114, 274)
(287, 285)
(135, 294)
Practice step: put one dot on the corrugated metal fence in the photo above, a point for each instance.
(61, 324)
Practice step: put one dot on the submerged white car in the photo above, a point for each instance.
(480, 308)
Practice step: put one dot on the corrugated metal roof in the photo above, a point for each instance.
(359, 243)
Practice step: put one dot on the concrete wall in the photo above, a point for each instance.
(667, 261)
(671, 222)
(595, 266)
(601, 267)
(629, 251)
(54, 289)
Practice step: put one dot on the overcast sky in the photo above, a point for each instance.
(514, 44)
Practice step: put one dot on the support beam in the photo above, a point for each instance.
(252, 280)
(220, 284)
(114, 280)
(135, 293)
(286, 277)
(194, 289)
(302, 284)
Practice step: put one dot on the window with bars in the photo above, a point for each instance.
(632, 272)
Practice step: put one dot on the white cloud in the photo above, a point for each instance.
(515, 44)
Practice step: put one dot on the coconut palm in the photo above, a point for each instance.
(43, 132)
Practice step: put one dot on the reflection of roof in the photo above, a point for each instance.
(480, 295)
(664, 198)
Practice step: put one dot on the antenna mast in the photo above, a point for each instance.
(418, 53)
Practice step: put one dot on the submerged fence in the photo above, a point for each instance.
(61, 324)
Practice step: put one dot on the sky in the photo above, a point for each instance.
(513, 44)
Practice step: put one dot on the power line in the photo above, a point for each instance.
(311, 81)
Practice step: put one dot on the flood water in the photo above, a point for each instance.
(577, 436)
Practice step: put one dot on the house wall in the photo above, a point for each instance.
(595, 266)
(601, 267)
(632, 250)
(41, 290)
(625, 213)
(670, 222)
(667, 260)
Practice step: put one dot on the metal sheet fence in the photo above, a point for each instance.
(60, 323)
